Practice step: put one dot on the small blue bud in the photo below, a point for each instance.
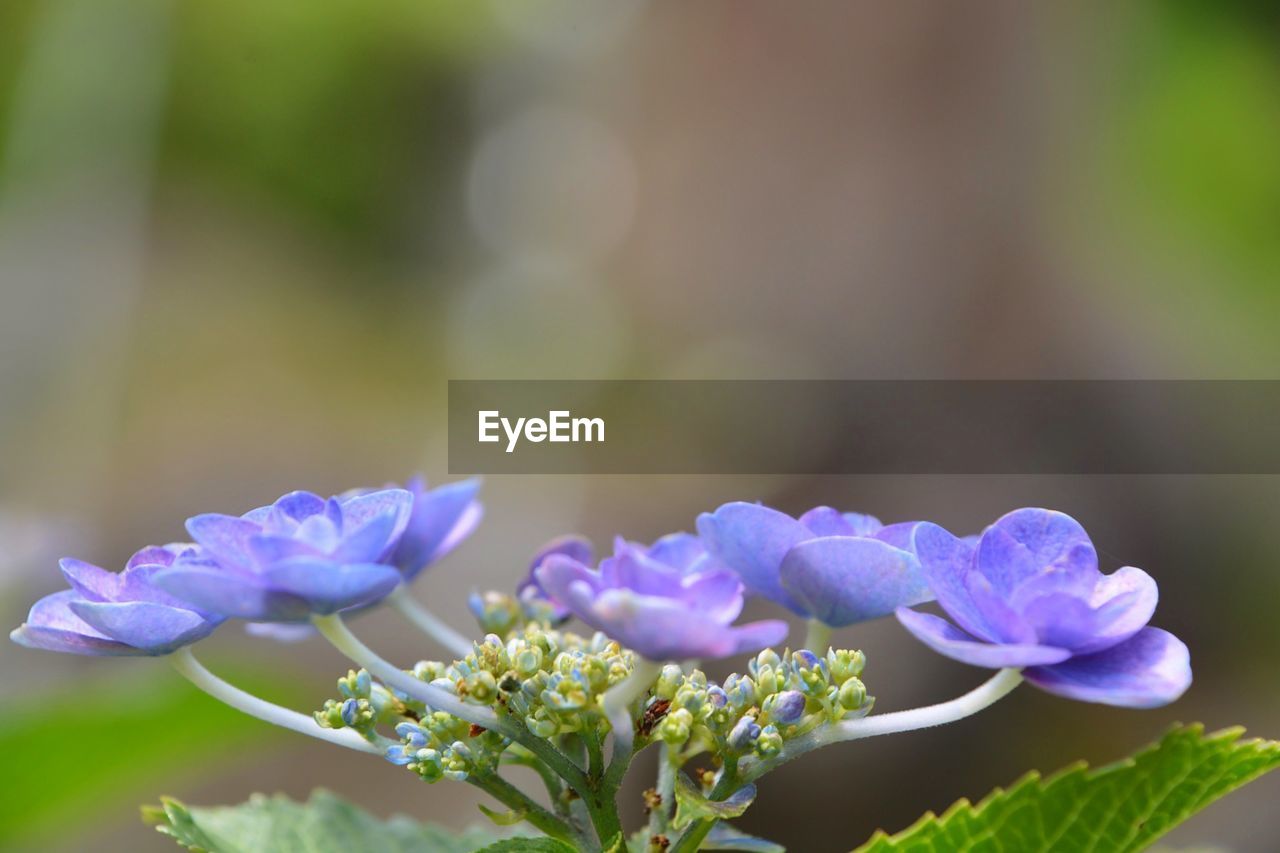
(350, 711)
(743, 734)
(786, 707)
(396, 755)
(717, 697)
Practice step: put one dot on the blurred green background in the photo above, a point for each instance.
(244, 244)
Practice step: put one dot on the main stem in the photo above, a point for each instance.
(507, 794)
(191, 669)
(429, 623)
(616, 704)
(817, 637)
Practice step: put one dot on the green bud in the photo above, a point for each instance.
(853, 694)
(527, 660)
(845, 664)
(670, 679)
(769, 743)
(676, 727)
(480, 686)
(541, 724)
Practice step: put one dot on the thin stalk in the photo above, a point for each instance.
(191, 669)
(507, 794)
(616, 704)
(429, 623)
(693, 836)
(986, 694)
(337, 633)
(817, 638)
(666, 788)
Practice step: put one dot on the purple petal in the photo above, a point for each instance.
(752, 540)
(153, 555)
(946, 639)
(283, 632)
(90, 581)
(245, 596)
(717, 595)
(1027, 542)
(441, 518)
(1062, 620)
(901, 535)
(841, 580)
(558, 573)
(630, 567)
(225, 537)
(367, 543)
(152, 627)
(51, 625)
(754, 636)
(1150, 669)
(1003, 623)
(658, 629)
(681, 551)
(328, 587)
(360, 510)
(946, 562)
(574, 547)
(1126, 600)
(300, 505)
(268, 548)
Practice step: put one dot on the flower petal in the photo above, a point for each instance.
(215, 590)
(946, 562)
(92, 582)
(574, 547)
(366, 543)
(716, 595)
(752, 540)
(1151, 668)
(299, 505)
(52, 626)
(359, 510)
(946, 639)
(328, 587)
(225, 537)
(681, 551)
(754, 636)
(841, 580)
(1028, 542)
(1126, 600)
(440, 519)
(154, 628)
(557, 573)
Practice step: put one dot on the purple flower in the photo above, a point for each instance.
(115, 614)
(302, 555)
(531, 594)
(665, 602)
(1029, 594)
(442, 517)
(833, 567)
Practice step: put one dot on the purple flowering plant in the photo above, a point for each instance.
(587, 664)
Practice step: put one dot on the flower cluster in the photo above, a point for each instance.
(1025, 597)
(779, 698)
(303, 555)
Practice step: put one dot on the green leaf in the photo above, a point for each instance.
(1121, 807)
(529, 845)
(508, 818)
(324, 824)
(694, 805)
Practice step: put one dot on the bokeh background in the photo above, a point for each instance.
(243, 245)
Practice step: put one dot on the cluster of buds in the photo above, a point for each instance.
(779, 698)
(549, 680)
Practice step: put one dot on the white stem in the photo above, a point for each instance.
(817, 638)
(337, 633)
(429, 623)
(666, 789)
(186, 664)
(616, 704)
(986, 694)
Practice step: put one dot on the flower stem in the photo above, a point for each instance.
(191, 669)
(507, 794)
(693, 837)
(986, 694)
(337, 633)
(616, 704)
(817, 637)
(666, 789)
(430, 624)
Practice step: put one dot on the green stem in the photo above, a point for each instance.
(693, 837)
(616, 704)
(666, 788)
(817, 638)
(595, 755)
(337, 633)
(555, 788)
(507, 794)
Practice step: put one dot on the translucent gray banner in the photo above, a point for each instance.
(864, 427)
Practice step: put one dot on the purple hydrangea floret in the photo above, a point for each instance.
(838, 568)
(664, 602)
(1030, 595)
(442, 517)
(117, 613)
(300, 556)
